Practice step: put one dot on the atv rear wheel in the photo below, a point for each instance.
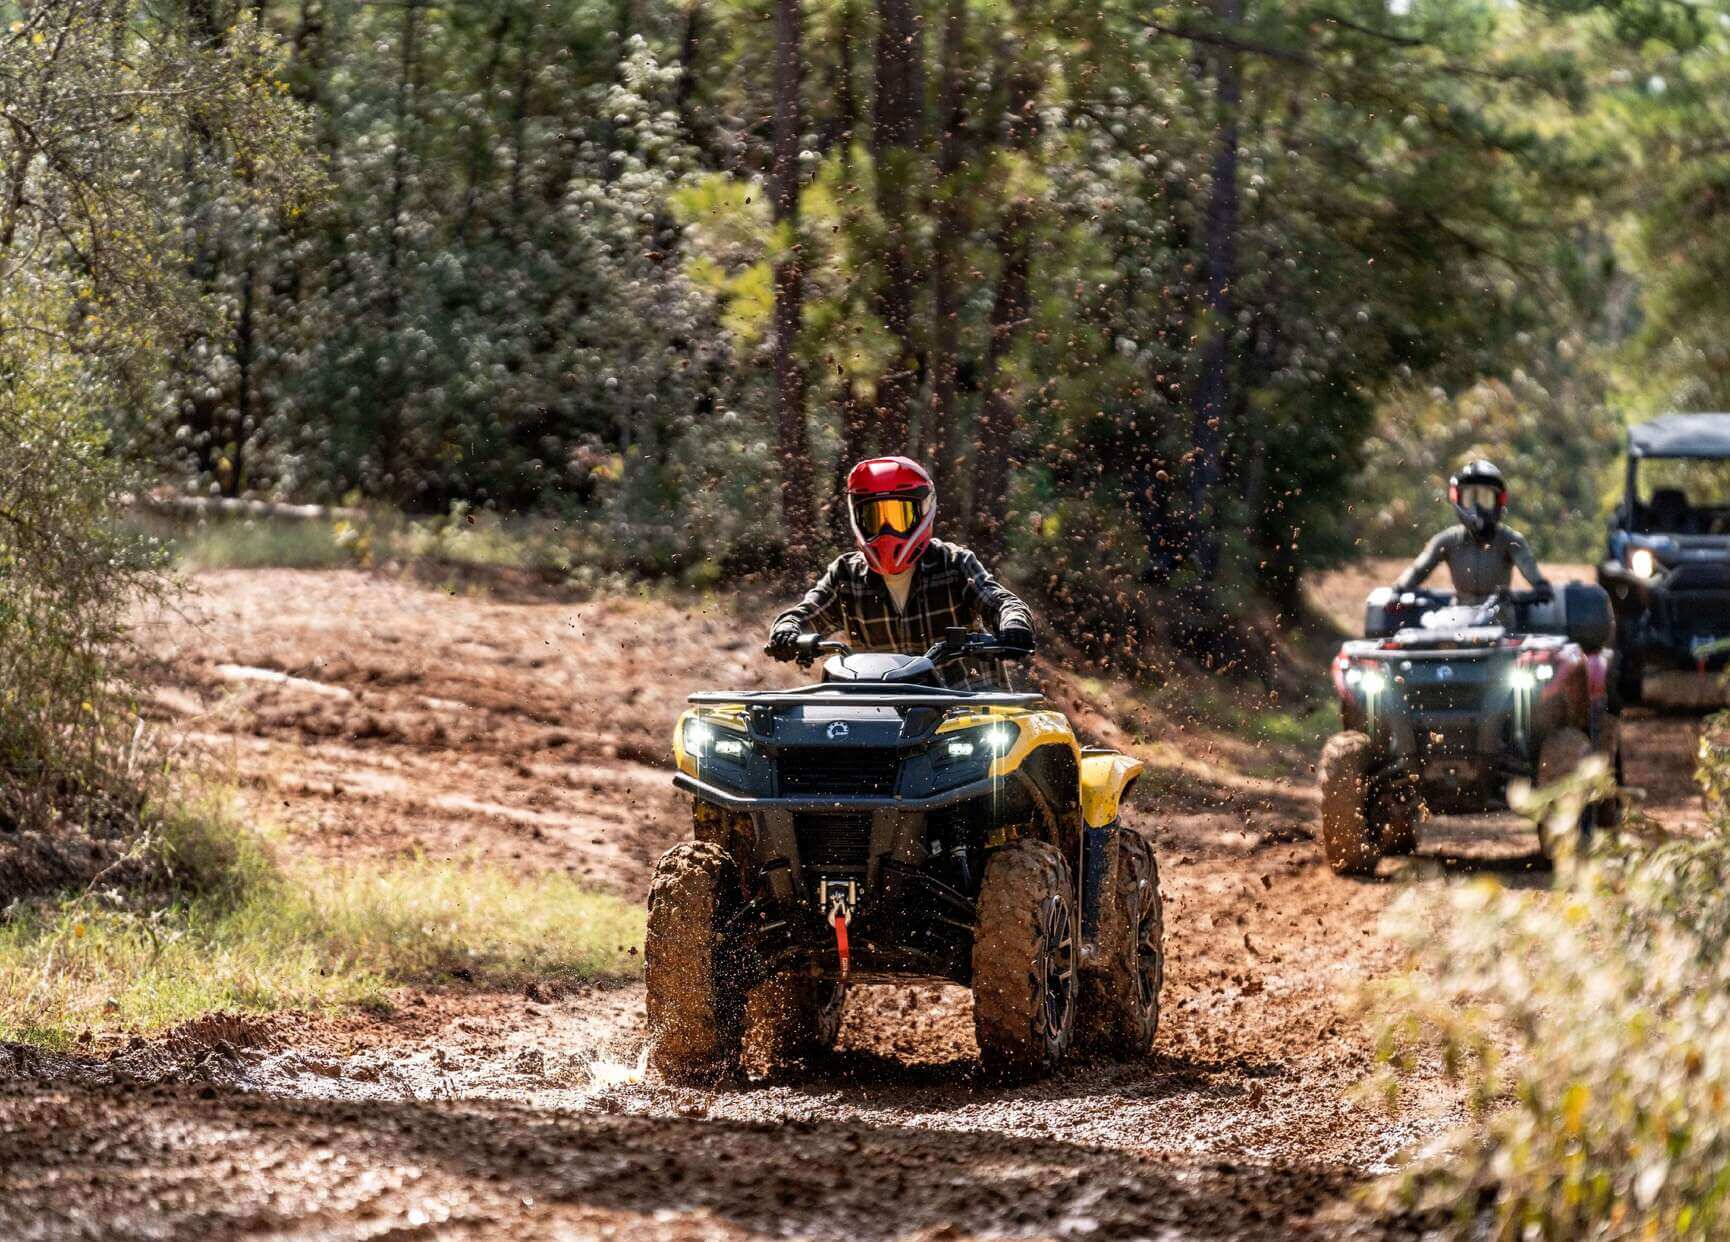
(1559, 756)
(1024, 977)
(695, 1005)
(1120, 996)
(794, 1017)
(1349, 839)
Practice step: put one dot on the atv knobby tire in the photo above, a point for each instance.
(1349, 837)
(1120, 994)
(1630, 681)
(1024, 959)
(1394, 816)
(794, 1017)
(1559, 756)
(695, 1006)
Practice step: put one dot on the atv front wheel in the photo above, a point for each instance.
(695, 1006)
(1396, 812)
(1120, 997)
(1024, 985)
(795, 1017)
(1349, 838)
(1630, 680)
(1559, 757)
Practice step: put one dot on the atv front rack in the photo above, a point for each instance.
(868, 694)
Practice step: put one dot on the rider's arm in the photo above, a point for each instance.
(996, 604)
(1520, 552)
(820, 611)
(1425, 565)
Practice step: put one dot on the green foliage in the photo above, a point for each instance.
(1590, 1027)
(246, 931)
(97, 107)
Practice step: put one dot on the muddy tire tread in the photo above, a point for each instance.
(1558, 756)
(1348, 835)
(786, 1019)
(1114, 1020)
(695, 1009)
(1008, 997)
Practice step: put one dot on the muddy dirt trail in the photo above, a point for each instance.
(366, 716)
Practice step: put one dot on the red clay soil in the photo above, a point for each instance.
(366, 716)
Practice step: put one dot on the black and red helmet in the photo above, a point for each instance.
(1479, 495)
(891, 502)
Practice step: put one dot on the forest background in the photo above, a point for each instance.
(1177, 301)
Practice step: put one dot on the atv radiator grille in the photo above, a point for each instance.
(833, 843)
(841, 771)
(1446, 697)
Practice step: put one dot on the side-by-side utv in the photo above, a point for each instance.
(883, 826)
(1668, 569)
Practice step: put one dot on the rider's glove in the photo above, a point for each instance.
(1543, 593)
(784, 641)
(1016, 638)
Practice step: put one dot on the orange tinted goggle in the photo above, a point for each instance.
(892, 516)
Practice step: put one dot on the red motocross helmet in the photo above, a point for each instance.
(891, 503)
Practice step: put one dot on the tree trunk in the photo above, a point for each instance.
(895, 135)
(390, 431)
(245, 352)
(997, 411)
(792, 440)
(943, 438)
(1009, 310)
(1212, 398)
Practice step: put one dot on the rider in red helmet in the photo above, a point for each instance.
(902, 589)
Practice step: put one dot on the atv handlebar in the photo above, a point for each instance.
(1424, 598)
(956, 644)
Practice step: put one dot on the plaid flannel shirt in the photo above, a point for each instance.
(950, 588)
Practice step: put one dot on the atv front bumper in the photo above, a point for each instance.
(912, 913)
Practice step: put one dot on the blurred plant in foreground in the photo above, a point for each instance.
(1590, 1025)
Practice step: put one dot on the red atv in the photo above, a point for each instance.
(1445, 704)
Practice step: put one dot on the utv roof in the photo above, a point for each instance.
(1681, 435)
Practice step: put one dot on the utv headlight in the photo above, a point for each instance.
(1523, 679)
(1373, 682)
(1642, 563)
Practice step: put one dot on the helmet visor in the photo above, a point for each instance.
(894, 515)
(1481, 496)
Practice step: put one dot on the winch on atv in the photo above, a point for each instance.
(884, 826)
(1444, 704)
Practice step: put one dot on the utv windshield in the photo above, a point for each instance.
(1680, 496)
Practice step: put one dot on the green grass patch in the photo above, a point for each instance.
(255, 933)
(236, 543)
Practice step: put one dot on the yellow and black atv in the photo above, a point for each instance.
(881, 826)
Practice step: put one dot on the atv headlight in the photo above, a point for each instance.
(1523, 679)
(967, 754)
(1372, 682)
(1643, 563)
(723, 755)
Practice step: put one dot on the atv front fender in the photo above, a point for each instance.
(1105, 778)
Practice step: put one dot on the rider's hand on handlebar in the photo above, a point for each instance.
(1016, 639)
(783, 642)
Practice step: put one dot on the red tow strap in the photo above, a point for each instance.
(841, 949)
